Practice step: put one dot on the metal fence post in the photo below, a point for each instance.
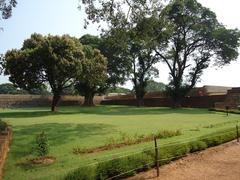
(156, 155)
(237, 133)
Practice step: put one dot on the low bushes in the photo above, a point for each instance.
(82, 173)
(233, 111)
(3, 126)
(127, 166)
(125, 140)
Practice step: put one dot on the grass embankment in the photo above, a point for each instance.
(78, 127)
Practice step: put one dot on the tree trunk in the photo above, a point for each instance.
(177, 100)
(139, 96)
(177, 103)
(140, 101)
(88, 99)
(55, 101)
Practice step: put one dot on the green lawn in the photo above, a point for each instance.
(73, 127)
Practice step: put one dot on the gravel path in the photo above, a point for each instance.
(217, 163)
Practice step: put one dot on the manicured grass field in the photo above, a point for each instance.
(81, 127)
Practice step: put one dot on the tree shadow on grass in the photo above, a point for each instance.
(102, 110)
(58, 134)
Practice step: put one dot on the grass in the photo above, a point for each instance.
(126, 140)
(81, 127)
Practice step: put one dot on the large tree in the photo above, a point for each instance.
(117, 68)
(128, 37)
(134, 46)
(53, 60)
(93, 76)
(189, 39)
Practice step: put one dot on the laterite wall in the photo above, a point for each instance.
(35, 100)
(194, 102)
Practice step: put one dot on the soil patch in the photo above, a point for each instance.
(5, 140)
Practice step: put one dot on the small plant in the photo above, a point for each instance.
(42, 144)
(3, 126)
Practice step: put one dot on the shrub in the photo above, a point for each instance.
(224, 110)
(42, 146)
(111, 168)
(167, 133)
(197, 146)
(131, 165)
(3, 126)
(137, 162)
(83, 173)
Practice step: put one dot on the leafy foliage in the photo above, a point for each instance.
(116, 67)
(93, 76)
(118, 90)
(6, 7)
(3, 126)
(189, 38)
(153, 86)
(134, 47)
(126, 140)
(144, 160)
(42, 146)
(8, 88)
(128, 37)
(184, 34)
(53, 60)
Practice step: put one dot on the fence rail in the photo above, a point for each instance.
(143, 150)
(231, 132)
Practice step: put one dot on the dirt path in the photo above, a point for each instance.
(217, 163)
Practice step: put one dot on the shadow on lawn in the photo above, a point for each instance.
(58, 134)
(101, 110)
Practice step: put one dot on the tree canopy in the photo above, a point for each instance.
(93, 76)
(118, 90)
(6, 7)
(153, 86)
(183, 34)
(8, 88)
(54, 60)
(189, 38)
(116, 67)
(128, 38)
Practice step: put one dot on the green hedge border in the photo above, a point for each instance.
(145, 160)
(232, 111)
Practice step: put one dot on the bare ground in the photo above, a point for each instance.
(217, 163)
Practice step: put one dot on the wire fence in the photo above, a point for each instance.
(185, 141)
(146, 149)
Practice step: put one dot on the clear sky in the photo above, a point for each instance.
(59, 17)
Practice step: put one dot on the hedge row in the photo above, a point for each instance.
(233, 111)
(120, 168)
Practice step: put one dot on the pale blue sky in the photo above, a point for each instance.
(59, 17)
(42, 16)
